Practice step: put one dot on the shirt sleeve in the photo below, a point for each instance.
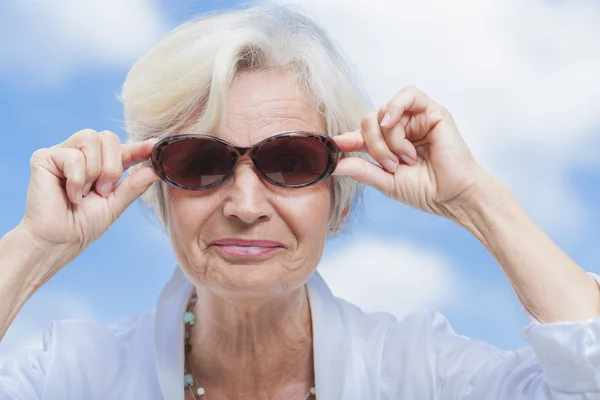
(23, 375)
(561, 363)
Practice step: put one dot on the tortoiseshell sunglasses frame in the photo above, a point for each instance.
(333, 152)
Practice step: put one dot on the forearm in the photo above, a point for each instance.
(25, 266)
(549, 284)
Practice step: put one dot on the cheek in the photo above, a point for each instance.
(311, 226)
(187, 212)
(308, 215)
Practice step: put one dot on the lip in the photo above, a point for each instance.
(247, 243)
(245, 248)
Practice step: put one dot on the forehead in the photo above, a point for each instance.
(264, 104)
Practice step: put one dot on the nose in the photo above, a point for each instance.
(247, 197)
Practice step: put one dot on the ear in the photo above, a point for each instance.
(345, 212)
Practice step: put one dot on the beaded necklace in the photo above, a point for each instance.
(189, 377)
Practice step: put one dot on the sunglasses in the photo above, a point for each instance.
(289, 160)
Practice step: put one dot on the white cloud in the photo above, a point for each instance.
(380, 274)
(521, 79)
(48, 39)
(45, 306)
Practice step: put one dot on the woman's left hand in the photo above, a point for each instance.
(427, 163)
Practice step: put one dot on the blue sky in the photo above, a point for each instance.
(525, 97)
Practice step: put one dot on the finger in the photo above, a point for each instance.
(88, 141)
(367, 173)
(396, 140)
(376, 144)
(405, 120)
(132, 187)
(351, 141)
(135, 153)
(71, 162)
(112, 164)
(408, 99)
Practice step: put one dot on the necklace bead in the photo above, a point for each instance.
(189, 318)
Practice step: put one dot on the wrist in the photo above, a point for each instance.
(485, 206)
(30, 259)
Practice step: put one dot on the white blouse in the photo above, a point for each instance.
(357, 356)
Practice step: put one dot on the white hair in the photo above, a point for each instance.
(181, 84)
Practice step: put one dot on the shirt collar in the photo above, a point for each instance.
(328, 337)
(169, 335)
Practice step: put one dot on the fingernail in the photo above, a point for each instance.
(406, 159)
(105, 189)
(87, 188)
(389, 165)
(78, 197)
(386, 119)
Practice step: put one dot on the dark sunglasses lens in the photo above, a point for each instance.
(196, 162)
(293, 160)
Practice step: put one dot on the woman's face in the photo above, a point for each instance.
(210, 229)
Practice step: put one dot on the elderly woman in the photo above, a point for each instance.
(250, 139)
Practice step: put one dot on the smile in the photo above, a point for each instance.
(246, 248)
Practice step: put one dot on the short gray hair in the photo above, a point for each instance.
(181, 84)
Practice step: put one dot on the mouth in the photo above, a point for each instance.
(247, 248)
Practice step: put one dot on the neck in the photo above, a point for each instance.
(253, 349)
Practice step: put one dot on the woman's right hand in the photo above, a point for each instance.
(72, 198)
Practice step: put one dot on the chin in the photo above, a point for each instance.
(246, 281)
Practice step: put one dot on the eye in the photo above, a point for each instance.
(292, 164)
(206, 165)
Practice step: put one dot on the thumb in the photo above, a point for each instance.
(367, 173)
(131, 188)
